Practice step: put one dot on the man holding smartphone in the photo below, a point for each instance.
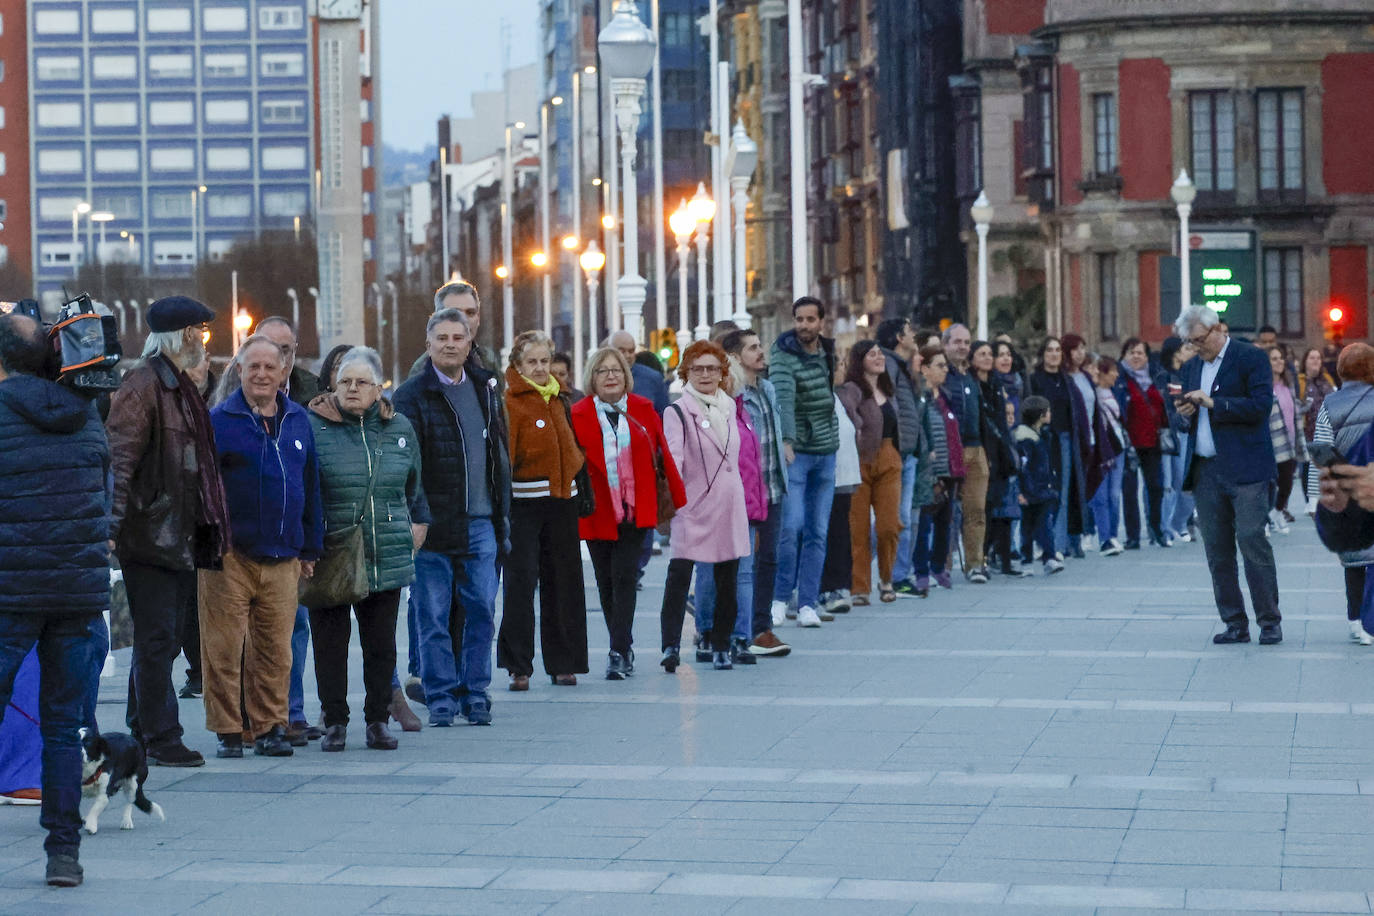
(1229, 466)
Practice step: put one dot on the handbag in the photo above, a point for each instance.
(663, 490)
(341, 573)
(1168, 441)
(585, 500)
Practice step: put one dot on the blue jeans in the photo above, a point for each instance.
(744, 594)
(1106, 502)
(901, 567)
(1178, 505)
(457, 672)
(1061, 516)
(805, 521)
(300, 642)
(932, 540)
(71, 651)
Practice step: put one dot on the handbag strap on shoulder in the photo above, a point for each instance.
(371, 483)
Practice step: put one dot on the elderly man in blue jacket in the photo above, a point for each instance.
(248, 609)
(1228, 390)
(54, 569)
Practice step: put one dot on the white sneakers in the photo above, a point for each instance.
(1357, 634)
(779, 611)
(807, 617)
(1277, 522)
(1111, 548)
(1053, 565)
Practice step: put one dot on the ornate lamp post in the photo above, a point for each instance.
(744, 157)
(591, 261)
(1183, 192)
(682, 224)
(702, 209)
(627, 48)
(981, 211)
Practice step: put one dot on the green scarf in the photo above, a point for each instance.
(547, 392)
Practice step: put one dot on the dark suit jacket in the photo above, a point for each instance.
(1242, 396)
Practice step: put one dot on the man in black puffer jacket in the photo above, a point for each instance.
(54, 568)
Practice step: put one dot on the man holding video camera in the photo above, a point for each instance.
(54, 567)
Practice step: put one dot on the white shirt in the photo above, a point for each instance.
(1206, 445)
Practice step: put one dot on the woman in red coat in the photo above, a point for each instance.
(621, 434)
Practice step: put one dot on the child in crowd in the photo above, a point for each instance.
(1003, 516)
(1106, 502)
(1039, 487)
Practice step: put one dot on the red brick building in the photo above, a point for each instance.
(16, 238)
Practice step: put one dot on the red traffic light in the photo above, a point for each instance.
(1335, 314)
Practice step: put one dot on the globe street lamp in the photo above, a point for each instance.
(981, 211)
(1183, 192)
(744, 157)
(627, 47)
(702, 209)
(682, 224)
(591, 261)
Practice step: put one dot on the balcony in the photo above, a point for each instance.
(1069, 14)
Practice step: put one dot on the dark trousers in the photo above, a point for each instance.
(999, 537)
(675, 601)
(330, 630)
(838, 572)
(1151, 473)
(544, 552)
(930, 547)
(1354, 591)
(1286, 471)
(765, 566)
(616, 565)
(158, 599)
(190, 634)
(71, 651)
(1233, 515)
(1034, 530)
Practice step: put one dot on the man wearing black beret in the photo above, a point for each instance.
(169, 516)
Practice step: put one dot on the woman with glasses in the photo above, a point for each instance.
(931, 548)
(369, 469)
(713, 527)
(623, 440)
(1143, 415)
(544, 462)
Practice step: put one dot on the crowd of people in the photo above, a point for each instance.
(257, 514)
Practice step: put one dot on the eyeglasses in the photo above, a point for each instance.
(1197, 341)
(351, 383)
(704, 370)
(613, 370)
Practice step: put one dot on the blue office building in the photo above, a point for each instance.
(136, 105)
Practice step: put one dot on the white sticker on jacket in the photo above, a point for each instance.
(401, 442)
(298, 445)
(539, 424)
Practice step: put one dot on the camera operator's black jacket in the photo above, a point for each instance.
(54, 505)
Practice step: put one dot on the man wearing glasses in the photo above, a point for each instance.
(1227, 392)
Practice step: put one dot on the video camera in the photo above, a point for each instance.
(85, 344)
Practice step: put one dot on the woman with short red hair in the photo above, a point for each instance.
(713, 527)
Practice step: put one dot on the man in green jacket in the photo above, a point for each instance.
(803, 372)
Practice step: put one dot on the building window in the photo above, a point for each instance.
(968, 138)
(367, 155)
(1280, 143)
(117, 159)
(1104, 133)
(367, 248)
(283, 112)
(225, 64)
(2, 117)
(59, 114)
(171, 113)
(172, 159)
(679, 86)
(283, 203)
(58, 68)
(367, 202)
(228, 159)
(1283, 290)
(104, 22)
(57, 22)
(226, 111)
(60, 161)
(170, 66)
(57, 207)
(228, 206)
(173, 252)
(1106, 296)
(271, 18)
(4, 212)
(123, 206)
(114, 67)
(283, 158)
(282, 63)
(114, 114)
(1212, 115)
(676, 29)
(1037, 87)
(169, 19)
(171, 205)
(225, 19)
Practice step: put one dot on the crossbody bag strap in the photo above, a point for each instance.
(653, 443)
(371, 483)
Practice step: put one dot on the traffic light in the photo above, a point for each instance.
(1337, 320)
(663, 343)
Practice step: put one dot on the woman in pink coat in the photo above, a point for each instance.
(713, 527)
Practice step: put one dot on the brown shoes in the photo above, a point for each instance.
(402, 713)
(768, 644)
(378, 738)
(519, 682)
(565, 680)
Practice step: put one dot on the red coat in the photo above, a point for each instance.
(600, 525)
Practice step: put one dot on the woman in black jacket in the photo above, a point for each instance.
(997, 445)
(1066, 434)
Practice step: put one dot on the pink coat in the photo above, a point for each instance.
(750, 466)
(714, 525)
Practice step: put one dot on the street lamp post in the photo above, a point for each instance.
(682, 224)
(544, 240)
(981, 211)
(744, 156)
(591, 261)
(1183, 192)
(395, 333)
(660, 254)
(507, 256)
(78, 211)
(702, 209)
(378, 303)
(627, 49)
(197, 194)
(443, 211)
(295, 307)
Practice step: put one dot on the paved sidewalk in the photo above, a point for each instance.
(1065, 745)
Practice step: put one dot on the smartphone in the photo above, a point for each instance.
(1324, 454)
(1175, 390)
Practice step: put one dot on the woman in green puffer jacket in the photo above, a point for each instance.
(359, 435)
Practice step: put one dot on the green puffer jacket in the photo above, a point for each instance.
(348, 448)
(806, 397)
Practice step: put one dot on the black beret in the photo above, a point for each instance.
(176, 312)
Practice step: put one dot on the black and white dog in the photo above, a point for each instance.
(111, 764)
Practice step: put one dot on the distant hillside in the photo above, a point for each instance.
(403, 166)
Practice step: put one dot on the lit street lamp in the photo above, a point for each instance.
(702, 209)
(102, 217)
(981, 211)
(1183, 192)
(627, 49)
(744, 157)
(682, 224)
(591, 261)
(295, 309)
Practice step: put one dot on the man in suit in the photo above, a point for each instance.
(1230, 469)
